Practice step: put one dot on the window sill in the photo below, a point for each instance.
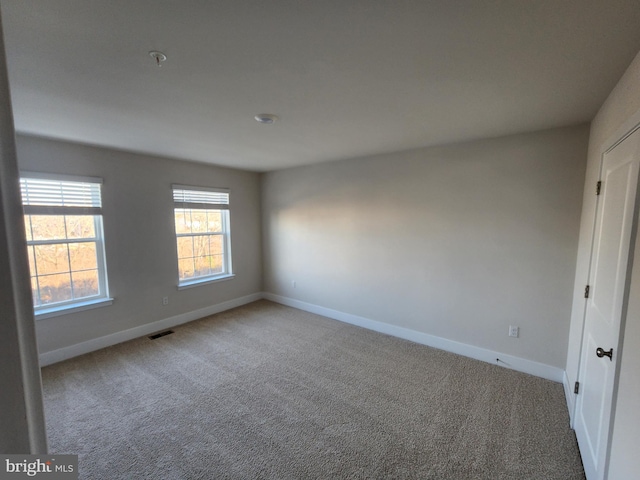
(204, 281)
(57, 311)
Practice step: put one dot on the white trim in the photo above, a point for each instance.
(54, 356)
(515, 363)
(569, 396)
(79, 306)
(200, 281)
(619, 134)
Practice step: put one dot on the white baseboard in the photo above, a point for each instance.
(54, 356)
(509, 361)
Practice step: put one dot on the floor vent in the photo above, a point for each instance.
(161, 334)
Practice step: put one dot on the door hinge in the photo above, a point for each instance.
(598, 187)
(576, 388)
(586, 291)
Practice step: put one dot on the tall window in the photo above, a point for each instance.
(63, 223)
(202, 234)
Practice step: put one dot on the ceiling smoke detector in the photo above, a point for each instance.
(159, 57)
(266, 118)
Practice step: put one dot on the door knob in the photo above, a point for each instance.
(601, 353)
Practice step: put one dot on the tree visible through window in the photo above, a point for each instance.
(63, 224)
(202, 234)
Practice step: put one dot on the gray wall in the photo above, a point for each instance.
(617, 115)
(140, 236)
(458, 242)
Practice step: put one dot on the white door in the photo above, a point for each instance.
(608, 280)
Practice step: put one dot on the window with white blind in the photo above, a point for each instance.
(202, 234)
(63, 224)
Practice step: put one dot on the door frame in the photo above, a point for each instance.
(622, 133)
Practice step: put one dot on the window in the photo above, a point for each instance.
(63, 223)
(202, 234)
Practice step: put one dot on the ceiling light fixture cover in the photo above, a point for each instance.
(159, 57)
(266, 118)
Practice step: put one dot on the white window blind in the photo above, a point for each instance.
(59, 196)
(188, 197)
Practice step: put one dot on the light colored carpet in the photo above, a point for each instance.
(267, 391)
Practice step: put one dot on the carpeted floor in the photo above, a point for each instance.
(269, 392)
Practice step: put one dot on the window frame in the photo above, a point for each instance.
(102, 298)
(204, 201)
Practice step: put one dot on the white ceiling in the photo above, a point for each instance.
(346, 77)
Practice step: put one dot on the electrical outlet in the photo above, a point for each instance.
(165, 301)
(514, 331)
